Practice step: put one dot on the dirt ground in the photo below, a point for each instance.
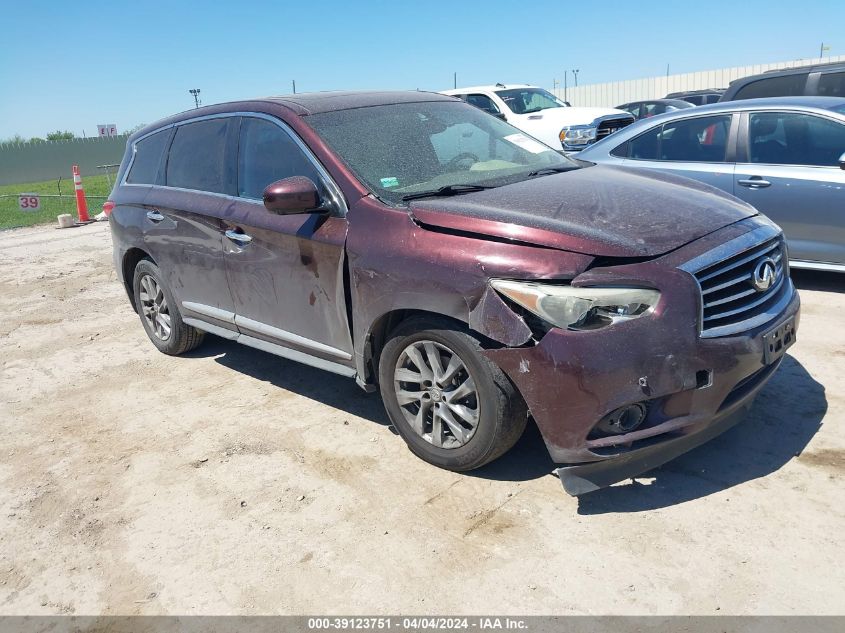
(234, 482)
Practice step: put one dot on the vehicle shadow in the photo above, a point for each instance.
(330, 389)
(527, 460)
(818, 280)
(785, 416)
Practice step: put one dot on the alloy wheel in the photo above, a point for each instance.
(436, 394)
(154, 308)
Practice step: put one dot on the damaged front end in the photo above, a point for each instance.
(619, 378)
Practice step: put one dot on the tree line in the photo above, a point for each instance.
(58, 135)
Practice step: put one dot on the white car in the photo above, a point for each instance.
(545, 117)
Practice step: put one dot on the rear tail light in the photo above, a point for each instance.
(108, 205)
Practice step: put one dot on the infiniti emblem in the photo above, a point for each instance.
(764, 274)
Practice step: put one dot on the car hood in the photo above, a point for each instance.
(571, 116)
(598, 210)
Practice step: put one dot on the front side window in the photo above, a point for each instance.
(528, 100)
(198, 158)
(483, 102)
(407, 148)
(148, 154)
(782, 86)
(698, 140)
(267, 153)
(792, 138)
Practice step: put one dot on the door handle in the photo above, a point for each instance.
(154, 216)
(755, 182)
(240, 238)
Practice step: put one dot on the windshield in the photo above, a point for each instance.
(527, 100)
(407, 148)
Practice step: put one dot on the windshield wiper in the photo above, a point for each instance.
(448, 190)
(551, 170)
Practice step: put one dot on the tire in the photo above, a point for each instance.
(161, 311)
(499, 411)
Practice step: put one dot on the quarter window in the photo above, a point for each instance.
(198, 157)
(832, 85)
(792, 138)
(267, 153)
(782, 86)
(147, 161)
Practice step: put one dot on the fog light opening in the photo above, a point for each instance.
(623, 420)
(703, 378)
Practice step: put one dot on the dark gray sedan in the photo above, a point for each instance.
(785, 156)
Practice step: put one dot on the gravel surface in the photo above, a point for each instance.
(230, 481)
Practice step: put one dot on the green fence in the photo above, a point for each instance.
(50, 160)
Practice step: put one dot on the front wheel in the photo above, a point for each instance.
(452, 406)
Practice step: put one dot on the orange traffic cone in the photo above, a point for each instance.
(81, 203)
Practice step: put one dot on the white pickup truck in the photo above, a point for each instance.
(545, 117)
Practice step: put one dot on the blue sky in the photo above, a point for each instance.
(73, 65)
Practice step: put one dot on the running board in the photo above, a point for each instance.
(272, 348)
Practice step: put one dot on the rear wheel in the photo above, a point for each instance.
(159, 313)
(452, 406)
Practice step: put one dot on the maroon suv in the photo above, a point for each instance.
(470, 273)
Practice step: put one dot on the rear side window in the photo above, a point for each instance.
(197, 157)
(484, 102)
(267, 153)
(783, 86)
(697, 140)
(832, 85)
(791, 138)
(148, 154)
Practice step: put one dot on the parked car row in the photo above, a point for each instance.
(471, 272)
(784, 156)
(824, 80)
(544, 116)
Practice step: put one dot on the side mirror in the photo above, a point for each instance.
(842, 162)
(498, 115)
(293, 195)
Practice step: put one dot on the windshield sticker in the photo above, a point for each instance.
(528, 144)
(390, 182)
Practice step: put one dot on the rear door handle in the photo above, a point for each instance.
(154, 216)
(755, 182)
(240, 238)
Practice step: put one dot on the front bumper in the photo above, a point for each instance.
(693, 387)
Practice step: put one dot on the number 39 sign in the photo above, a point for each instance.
(29, 202)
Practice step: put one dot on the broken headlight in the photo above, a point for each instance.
(579, 308)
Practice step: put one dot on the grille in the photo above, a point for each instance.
(730, 299)
(609, 126)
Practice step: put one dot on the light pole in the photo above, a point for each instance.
(575, 72)
(196, 93)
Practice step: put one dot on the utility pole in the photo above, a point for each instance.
(293, 83)
(455, 80)
(575, 72)
(196, 93)
(565, 87)
(822, 49)
(555, 84)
